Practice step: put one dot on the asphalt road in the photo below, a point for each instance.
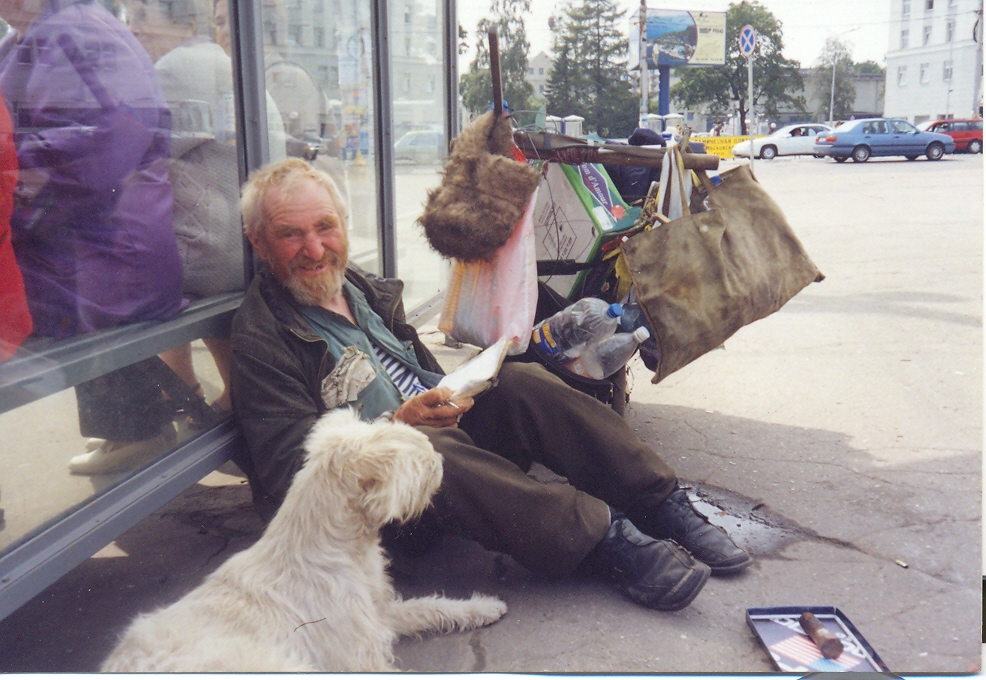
(840, 439)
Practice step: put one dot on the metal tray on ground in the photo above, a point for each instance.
(792, 651)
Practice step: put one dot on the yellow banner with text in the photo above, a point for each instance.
(722, 146)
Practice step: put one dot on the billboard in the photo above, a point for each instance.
(680, 38)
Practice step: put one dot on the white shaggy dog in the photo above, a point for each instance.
(312, 594)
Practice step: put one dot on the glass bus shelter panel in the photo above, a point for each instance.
(123, 227)
(319, 79)
(49, 463)
(125, 208)
(421, 139)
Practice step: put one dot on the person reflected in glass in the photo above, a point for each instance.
(15, 317)
(92, 218)
(92, 210)
(197, 80)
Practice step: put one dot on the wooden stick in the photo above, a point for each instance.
(495, 72)
(537, 145)
(703, 177)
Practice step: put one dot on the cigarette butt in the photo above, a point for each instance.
(901, 563)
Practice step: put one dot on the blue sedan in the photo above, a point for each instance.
(860, 139)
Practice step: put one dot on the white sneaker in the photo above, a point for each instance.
(113, 456)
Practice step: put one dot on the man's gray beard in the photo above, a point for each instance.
(320, 290)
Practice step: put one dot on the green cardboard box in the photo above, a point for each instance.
(577, 209)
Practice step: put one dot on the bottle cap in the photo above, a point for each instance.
(641, 334)
(614, 310)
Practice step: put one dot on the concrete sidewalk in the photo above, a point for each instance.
(839, 440)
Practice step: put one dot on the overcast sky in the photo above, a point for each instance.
(863, 24)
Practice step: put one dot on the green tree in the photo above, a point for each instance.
(476, 86)
(832, 81)
(868, 66)
(589, 76)
(463, 44)
(775, 77)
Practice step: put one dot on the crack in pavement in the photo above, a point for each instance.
(478, 651)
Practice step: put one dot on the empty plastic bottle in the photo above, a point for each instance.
(632, 318)
(602, 359)
(563, 335)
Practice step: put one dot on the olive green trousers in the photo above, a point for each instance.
(532, 416)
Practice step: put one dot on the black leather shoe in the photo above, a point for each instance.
(656, 574)
(676, 518)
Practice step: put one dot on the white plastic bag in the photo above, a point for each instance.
(676, 185)
(489, 300)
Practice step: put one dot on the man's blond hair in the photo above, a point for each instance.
(281, 177)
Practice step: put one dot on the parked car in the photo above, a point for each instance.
(967, 133)
(791, 140)
(860, 139)
(421, 146)
(301, 148)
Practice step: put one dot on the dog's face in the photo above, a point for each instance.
(382, 471)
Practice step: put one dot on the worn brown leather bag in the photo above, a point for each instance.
(704, 276)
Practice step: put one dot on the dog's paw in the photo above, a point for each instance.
(485, 610)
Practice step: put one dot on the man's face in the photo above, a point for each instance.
(305, 242)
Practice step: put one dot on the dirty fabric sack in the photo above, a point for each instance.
(483, 193)
(701, 278)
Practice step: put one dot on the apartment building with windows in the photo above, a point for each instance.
(935, 59)
(538, 71)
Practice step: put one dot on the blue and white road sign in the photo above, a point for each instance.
(747, 40)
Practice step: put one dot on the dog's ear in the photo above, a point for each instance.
(398, 472)
(382, 471)
(325, 437)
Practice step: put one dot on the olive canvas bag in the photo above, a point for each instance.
(704, 276)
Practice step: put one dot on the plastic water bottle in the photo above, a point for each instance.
(632, 319)
(602, 359)
(563, 335)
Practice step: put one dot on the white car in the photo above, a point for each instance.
(791, 140)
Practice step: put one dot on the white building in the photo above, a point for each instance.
(538, 70)
(935, 59)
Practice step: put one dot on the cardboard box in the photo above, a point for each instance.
(578, 209)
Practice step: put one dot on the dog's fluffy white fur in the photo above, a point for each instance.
(312, 594)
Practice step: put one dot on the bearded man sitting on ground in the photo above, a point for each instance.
(314, 334)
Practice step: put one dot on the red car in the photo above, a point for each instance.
(968, 134)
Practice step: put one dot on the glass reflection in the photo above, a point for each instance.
(40, 480)
(124, 209)
(420, 147)
(319, 75)
(92, 219)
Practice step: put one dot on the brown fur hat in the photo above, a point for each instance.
(483, 193)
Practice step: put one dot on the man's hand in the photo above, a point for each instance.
(433, 409)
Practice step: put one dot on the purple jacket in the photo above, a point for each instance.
(92, 226)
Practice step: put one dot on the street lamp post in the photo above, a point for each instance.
(835, 63)
(832, 98)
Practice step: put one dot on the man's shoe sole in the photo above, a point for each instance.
(739, 563)
(680, 595)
